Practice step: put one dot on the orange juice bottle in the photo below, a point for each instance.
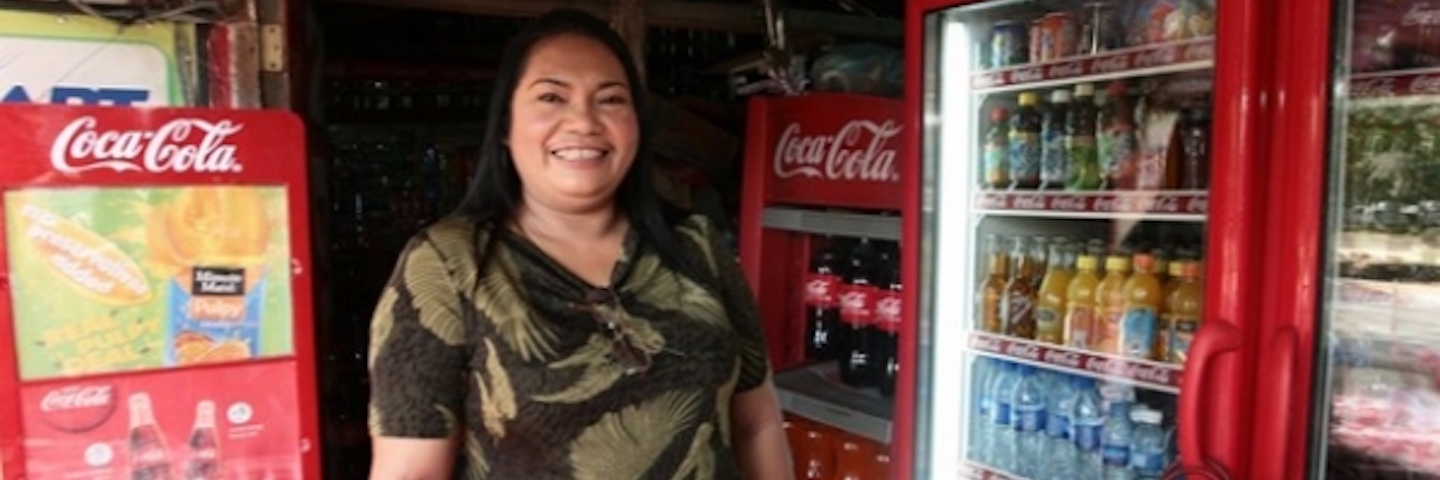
(1079, 321)
(1019, 301)
(1185, 305)
(1143, 300)
(1054, 292)
(1110, 304)
(992, 290)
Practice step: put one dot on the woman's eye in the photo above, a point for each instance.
(615, 100)
(551, 98)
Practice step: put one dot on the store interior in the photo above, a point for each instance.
(399, 95)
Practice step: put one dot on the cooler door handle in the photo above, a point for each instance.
(1213, 338)
(1275, 393)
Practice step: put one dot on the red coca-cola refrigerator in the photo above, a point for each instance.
(1087, 202)
(819, 242)
(156, 309)
(1348, 363)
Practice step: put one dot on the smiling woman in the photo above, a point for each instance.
(564, 323)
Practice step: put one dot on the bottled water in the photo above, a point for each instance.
(1062, 455)
(1002, 436)
(1115, 441)
(1147, 448)
(1087, 421)
(982, 416)
(1030, 423)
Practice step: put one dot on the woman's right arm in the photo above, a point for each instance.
(418, 351)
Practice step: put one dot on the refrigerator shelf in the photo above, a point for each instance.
(1148, 60)
(1395, 83)
(1158, 205)
(1149, 375)
(815, 392)
(844, 224)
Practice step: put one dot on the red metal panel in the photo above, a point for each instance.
(1292, 274)
(831, 150)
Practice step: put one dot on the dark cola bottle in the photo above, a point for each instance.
(149, 456)
(822, 303)
(889, 311)
(203, 462)
(857, 314)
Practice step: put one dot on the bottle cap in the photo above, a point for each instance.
(1029, 98)
(1060, 96)
(1144, 262)
(1117, 263)
(1085, 90)
(1176, 268)
(1146, 415)
(998, 114)
(1191, 269)
(1116, 89)
(1087, 262)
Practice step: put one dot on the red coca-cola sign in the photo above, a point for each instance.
(828, 149)
(78, 408)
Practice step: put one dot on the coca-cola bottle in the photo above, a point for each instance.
(857, 313)
(149, 457)
(888, 311)
(822, 303)
(203, 462)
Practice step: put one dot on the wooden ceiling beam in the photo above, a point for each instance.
(726, 17)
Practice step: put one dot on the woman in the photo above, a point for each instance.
(561, 324)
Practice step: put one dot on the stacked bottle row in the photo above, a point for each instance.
(1105, 140)
(1147, 305)
(853, 308)
(821, 452)
(1045, 425)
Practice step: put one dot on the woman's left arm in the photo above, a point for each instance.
(759, 434)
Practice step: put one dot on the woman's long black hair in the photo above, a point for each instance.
(495, 191)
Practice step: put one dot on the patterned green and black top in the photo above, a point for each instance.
(520, 362)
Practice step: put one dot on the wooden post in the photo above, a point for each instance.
(627, 17)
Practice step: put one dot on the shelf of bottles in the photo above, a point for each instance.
(1091, 171)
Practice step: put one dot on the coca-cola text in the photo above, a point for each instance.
(184, 145)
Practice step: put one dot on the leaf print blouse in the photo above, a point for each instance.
(528, 362)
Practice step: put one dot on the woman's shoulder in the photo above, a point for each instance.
(453, 237)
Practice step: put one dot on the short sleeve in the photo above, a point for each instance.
(418, 349)
(740, 303)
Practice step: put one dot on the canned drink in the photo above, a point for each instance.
(1060, 36)
(1008, 44)
(1037, 39)
(1099, 32)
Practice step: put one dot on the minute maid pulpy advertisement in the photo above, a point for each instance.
(119, 279)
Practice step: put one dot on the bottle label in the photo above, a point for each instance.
(1147, 462)
(1002, 414)
(1029, 418)
(857, 305)
(822, 290)
(997, 163)
(1184, 333)
(1116, 455)
(1047, 325)
(1083, 171)
(1087, 436)
(1019, 316)
(1054, 157)
(1024, 156)
(1118, 147)
(887, 311)
(1139, 332)
(1078, 326)
(1058, 426)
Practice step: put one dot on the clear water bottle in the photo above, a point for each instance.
(1060, 462)
(1147, 448)
(1029, 422)
(1087, 420)
(1115, 441)
(1002, 432)
(982, 409)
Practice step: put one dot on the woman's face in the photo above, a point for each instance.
(573, 130)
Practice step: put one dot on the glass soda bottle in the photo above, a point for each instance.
(888, 315)
(149, 456)
(1019, 300)
(1025, 143)
(204, 445)
(857, 313)
(822, 304)
(1054, 293)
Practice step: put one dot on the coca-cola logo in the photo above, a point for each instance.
(1421, 16)
(1160, 205)
(1201, 51)
(1033, 74)
(1068, 203)
(1373, 87)
(149, 457)
(990, 200)
(1152, 374)
(1023, 350)
(78, 408)
(1200, 205)
(1113, 63)
(888, 309)
(1425, 84)
(987, 80)
(1105, 204)
(1068, 69)
(1163, 56)
(860, 150)
(820, 290)
(986, 344)
(1063, 358)
(183, 145)
(1029, 202)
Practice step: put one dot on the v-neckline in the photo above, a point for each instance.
(618, 272)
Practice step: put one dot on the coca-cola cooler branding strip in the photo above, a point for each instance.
(1395, 84)
(144, 427)
(1194, 54)
(831, 150)
(1151, 375)
(1139, 202)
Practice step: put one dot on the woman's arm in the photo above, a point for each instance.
(412, 458)
(759, 434)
